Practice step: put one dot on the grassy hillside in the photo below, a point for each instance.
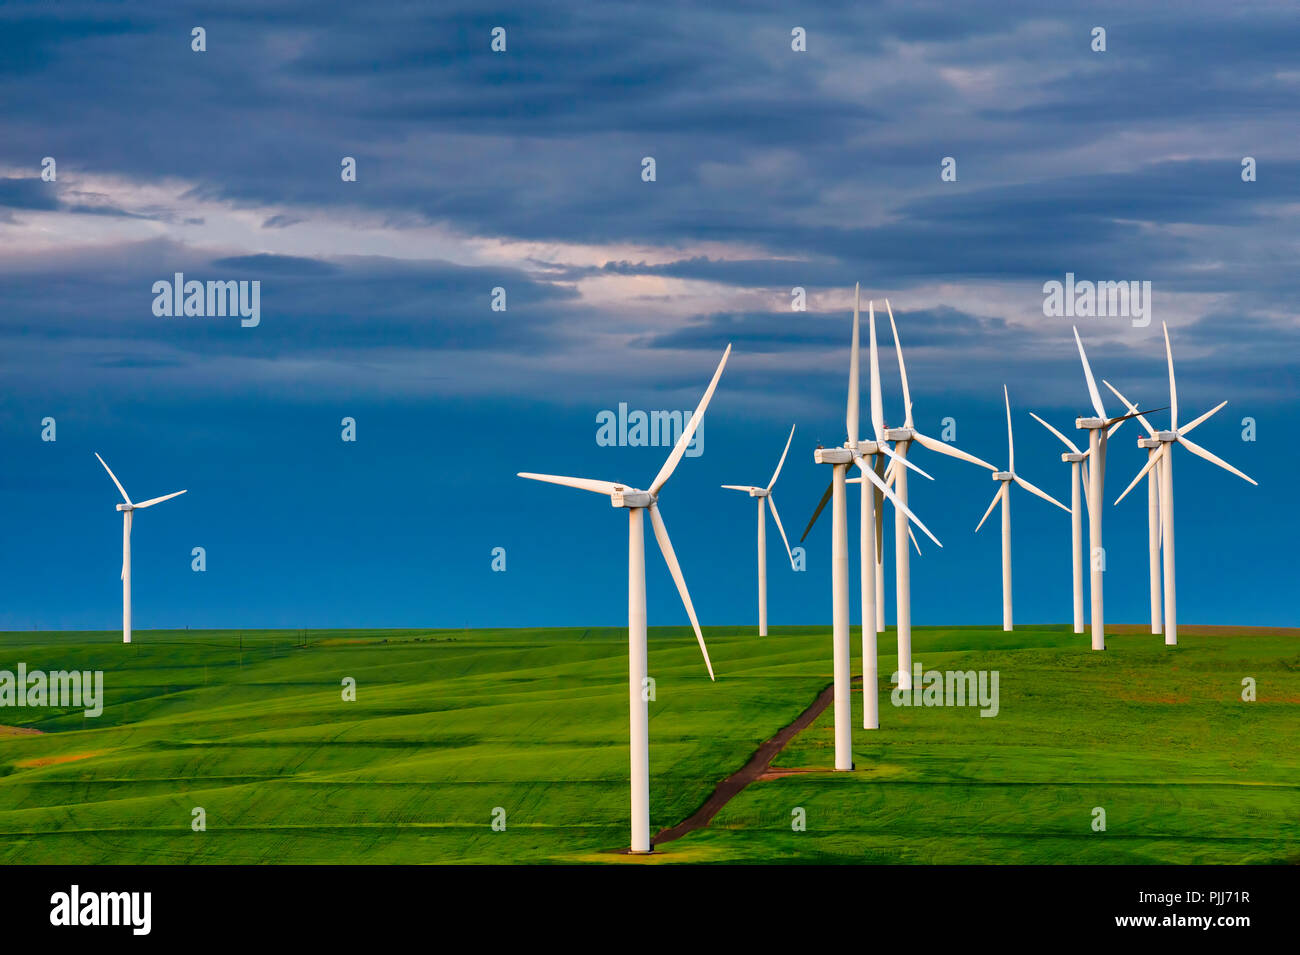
(449, 725)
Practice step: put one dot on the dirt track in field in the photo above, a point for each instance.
(758, 767)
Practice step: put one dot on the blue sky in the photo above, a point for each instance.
(522, 170)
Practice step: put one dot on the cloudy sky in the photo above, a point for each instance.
(522, 170)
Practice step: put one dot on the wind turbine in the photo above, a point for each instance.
(1163, 458)
(1075, 458)
(1099, 429)
(852, 452)
(127, 509)
(1155, 528)
(1006, 479)
(903, 438)
(765, 499)
(637, 502)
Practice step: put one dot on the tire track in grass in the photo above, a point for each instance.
(758, 764)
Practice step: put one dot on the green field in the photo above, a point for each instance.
(449, 725)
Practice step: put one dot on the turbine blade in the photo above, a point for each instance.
(871, 476)
(157, 500)
(771, 503)
(780, 464)
(830, 488)
(1092, 383)
(582, 484)
(877, 406)
(1043, 494)
(902, 460)
(1159, 510)
(1173, 389)
(688, 432)
(1214, 459)
(1113, 424)
(992, 504)
(670, 558)
(1131, 407)
(1188, 427)
(1011, 443)
(1068, 443)
(914, 543)
(115, 480)
(1151, 462)
(738, 487)
(1083, 475)
(879, 469)
(851, 418)
(943, 447)
(902, 370)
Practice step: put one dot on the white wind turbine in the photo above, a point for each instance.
(765, 499)
(637, 502)
(1163, 459)
(1007, 478)
(903, 438)
(127, 510)
(1099, 430)
(872, 456)
(1075, 458)
(860, 453)
(1155, 529)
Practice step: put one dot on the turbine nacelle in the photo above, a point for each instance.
(1004, 476)
(866, 447)
(899, 434)
(126, 507)
(1165, 437)
(631, 497)
(833, 456)
(1148, 443)
(1072, 458)
(1090, 424)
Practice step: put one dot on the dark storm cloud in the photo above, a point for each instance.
(826, 161)
(344, 308)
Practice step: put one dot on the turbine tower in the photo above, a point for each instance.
(1163, 459)
(765, 499)
(127, 509)
(637, 502)
(840, 458)
(1006, 479)
(903, 438)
